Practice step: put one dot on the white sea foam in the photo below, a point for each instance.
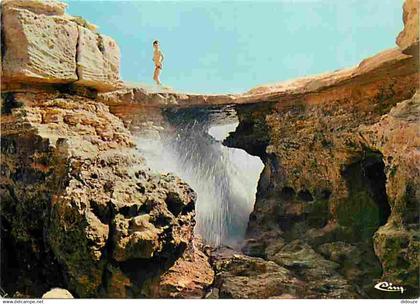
(225, 179)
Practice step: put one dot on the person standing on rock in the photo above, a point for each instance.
(158, 60)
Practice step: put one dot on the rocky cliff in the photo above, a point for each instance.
(337, 203)
(341, 179)
(80, 210)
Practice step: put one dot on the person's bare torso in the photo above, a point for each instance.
(157, 57)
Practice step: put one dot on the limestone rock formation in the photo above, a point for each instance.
(79, 207)
(239, 276)
(98, 59)
(73, 186)
(47, 7)
(43, 45)
(296, 272)
(338, 193)
(38, 48)
(408, 39)
(340, 165)
(396, 136)
(337, 203)
(163, 98)
(188, 278)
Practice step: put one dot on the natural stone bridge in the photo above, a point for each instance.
(336, 207)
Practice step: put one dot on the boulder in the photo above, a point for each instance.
(296, 271)
(242, 277)
(44, 46)
(408, 39)
(38, 48)
(46, 7)
(188, 278)
(98, 60)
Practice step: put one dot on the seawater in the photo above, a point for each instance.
(225, 179)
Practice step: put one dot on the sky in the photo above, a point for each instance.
(233, 46)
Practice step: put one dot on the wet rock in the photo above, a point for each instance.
(213, 294)
(320, 274)
(337, 251)
(357, 262)
(398, 251)
(274, 246)
(255, 248)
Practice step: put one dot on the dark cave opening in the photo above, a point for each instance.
(366, 207)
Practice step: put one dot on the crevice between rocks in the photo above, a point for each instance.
(77, 54)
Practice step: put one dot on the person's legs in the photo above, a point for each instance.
(156, 75)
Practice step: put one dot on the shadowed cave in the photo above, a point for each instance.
(367, 207)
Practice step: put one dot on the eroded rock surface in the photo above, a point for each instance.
(188, 278)
(341, 169)
(47, 7)
(396, 136)
(72, 186)
(38, 48)
(295, 271)
(43, 45)
(408, 39)
(79, 207)
(337, 202)
(98, 60)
